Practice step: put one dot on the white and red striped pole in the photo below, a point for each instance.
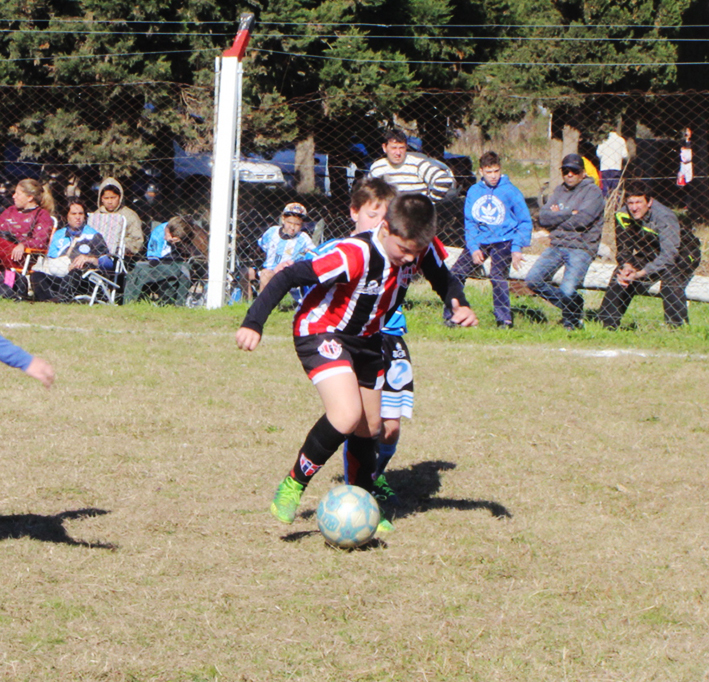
(227, 146)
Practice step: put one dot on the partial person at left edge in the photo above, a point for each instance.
(27, 224)
(32, 366)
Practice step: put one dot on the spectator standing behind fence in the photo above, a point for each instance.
(410, 172)
(73, 249)
(650, 246)
(574, 216)
(110, 200)
(283, 242)
(166, 271)
(26, 224)
(497, 225)
(612, 153)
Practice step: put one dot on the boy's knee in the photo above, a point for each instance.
(369, 427)
(345, 420)
(391, 428)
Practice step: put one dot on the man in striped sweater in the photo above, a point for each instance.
(410, 172)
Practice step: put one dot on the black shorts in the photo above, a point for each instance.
(325, 355)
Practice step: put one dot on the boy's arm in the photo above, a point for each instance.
(447, 286)
(14, 356)
(472, 230)
(523, 233)
(297, 275)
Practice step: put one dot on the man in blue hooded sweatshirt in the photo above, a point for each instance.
(497, 225)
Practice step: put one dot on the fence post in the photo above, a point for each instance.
(223, 169)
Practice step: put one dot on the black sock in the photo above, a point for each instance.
(361, 461)
(320, 444)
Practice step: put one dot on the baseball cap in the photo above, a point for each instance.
(572, 161)
(295, 209)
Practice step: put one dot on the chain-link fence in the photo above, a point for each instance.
(155, 140)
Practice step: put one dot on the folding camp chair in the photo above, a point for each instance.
(31, 258)
(112, 227)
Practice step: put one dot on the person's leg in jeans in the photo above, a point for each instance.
(576, 264)
(461, 270)
(539, 277)
(500, 261)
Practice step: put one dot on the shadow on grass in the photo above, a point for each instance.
(531, 314)
(49, 528)
(416, 486)
(375, 543)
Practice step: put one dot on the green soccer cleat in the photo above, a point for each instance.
(383, 492)
(286, 500)
(385, 526)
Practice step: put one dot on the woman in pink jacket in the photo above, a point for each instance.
(27, 224)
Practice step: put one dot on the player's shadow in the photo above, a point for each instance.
(416, 488)
(299, 535)
(49, 528)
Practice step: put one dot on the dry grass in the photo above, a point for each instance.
(177, 442)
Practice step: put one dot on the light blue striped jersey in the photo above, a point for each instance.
(158, 246)
(278, 249)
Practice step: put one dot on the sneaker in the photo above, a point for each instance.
(505, 324)
(286, 500)
(383, 492)
(572, 326)
(385, 526)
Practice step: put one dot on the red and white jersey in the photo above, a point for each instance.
(358, 286)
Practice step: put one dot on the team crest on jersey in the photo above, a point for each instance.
(489, 210)
(406, 275)
(330, 349)
(372, 287)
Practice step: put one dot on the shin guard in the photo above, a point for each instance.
(320, 444)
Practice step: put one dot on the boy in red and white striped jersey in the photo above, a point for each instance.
(355, 285)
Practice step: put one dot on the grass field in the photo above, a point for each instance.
(553, 527)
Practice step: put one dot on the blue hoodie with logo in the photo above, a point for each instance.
(496, 214)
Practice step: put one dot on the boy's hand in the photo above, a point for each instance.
(462, 315)
(247, 339)
(41, 370)
(282, 266)
(517, 260)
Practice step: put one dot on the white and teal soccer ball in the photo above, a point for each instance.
(348, 516)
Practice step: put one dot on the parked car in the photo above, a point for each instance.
(197, 167)
(285, 160)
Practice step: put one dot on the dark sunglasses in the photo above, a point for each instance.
(566, 171)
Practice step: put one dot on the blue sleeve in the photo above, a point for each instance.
(523, 233)
(472, 232)
(156, 241)
(105, 262)
(57, 244)
(13, 355)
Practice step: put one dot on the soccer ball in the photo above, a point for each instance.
(348, 516)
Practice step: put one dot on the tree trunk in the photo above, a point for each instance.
(305, 165)
(564, 140)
